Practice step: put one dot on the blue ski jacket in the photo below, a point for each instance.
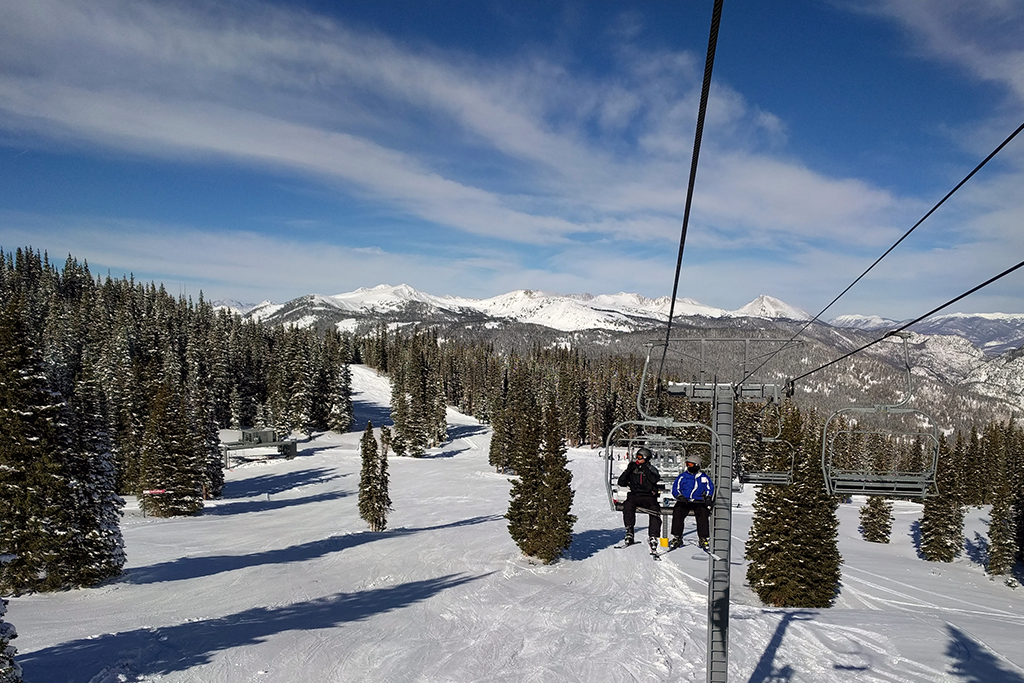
(697, 487)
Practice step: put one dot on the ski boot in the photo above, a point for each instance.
(704, 545)
(629, 538)
(654, 543)
(675, 542)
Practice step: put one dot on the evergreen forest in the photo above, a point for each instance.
(112, 387)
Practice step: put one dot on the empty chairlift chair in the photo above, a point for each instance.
(881, 450)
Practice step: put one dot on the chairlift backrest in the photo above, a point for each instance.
(847, 471)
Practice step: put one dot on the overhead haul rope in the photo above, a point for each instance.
(903, 327)
(709, 62)
(942, 201)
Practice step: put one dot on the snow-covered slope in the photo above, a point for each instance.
(281, 581)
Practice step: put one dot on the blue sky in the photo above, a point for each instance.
(264, 151)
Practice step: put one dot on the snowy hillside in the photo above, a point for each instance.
(281, 581)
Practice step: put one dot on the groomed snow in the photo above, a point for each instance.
(281, 581)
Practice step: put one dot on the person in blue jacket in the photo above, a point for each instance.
(694, 492)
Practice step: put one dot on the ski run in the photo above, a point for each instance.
(280, 580)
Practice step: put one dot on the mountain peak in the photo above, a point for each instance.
(766, 306)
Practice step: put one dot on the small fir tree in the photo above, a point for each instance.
(1001, 531)
(555, 505)
(876, 519)
(792, 549)
(170, 460)
(942, 516)
(374, 500)
(340, 417)
(524, 508)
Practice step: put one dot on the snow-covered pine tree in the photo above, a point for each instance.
(417, 424)
(35, 516)
(199, 405)
(1001, 527)
(374, 498)
(876, 514)
(341, 414)
(1015, 451)
(792, 549)
(942, 516)
(10, 670)
(99, 546)
(555, 518)
(120, 377)
(399, 409)
(169, 459)
(385, 441)
(876, 519)
(973, 466)
(524, 441)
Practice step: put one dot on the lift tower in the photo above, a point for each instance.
(723, 398)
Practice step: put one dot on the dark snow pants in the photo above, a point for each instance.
(648, 501)
(700, 511)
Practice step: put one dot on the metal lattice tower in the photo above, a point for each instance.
(723, 399)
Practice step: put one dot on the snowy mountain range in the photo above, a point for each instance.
(993, 333)
(571, 312)
(964, 361)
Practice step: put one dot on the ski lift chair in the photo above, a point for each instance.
(773, 461)
(668, 455)
(849, 473)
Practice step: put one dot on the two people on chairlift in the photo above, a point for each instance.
(694, 492)
(642, 479)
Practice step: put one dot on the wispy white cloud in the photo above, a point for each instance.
(983, 36)
(587, 171)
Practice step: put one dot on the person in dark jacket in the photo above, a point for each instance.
(694, 492)
(642, 479)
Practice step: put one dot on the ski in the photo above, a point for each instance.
(623, 545)
(707, 551)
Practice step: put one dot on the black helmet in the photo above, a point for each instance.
(642, 452)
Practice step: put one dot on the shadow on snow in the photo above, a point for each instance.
(269, 484)
(366, 411)
(970, 660)
(586, 543)
(185, 568)
(975, 663)
(242, 507)
(145, 652)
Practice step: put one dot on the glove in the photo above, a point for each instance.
(709, 501)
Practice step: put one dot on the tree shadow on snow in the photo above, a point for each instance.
(975, 663)
(242, 507)
(276, 483)
(765, 671)
(586, 543)
(465, 431)
(184, 568)
(147, 652)
(915, 537)
(365, 411)
(977, 550)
